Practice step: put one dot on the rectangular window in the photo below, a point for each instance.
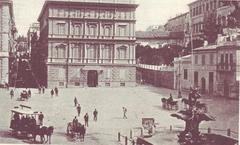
(185, 74)
(211, 58)
(107, 84)
(122, 74)
(222, 58)
(122, 53)
(226, 59)
(61, 28)
(196, 59)
(77, 83)
(203, 59)
(77, 29)
(77, 51)
(231, 58)
(107, 53)
(92, 30)
(122, 30)
(122, 84)
(108, 74)
(61, 84)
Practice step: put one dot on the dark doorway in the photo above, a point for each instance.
(211, 82)
(92, 78)
(203, 85)
(196, 79)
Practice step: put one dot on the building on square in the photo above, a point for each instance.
(213, 69)
(7, 36)
(89, 43)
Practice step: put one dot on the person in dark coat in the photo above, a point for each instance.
(95, 113)
(75, 102)
(40, 117)
(29, 93)
(52, 93)
(56, 91)
(43, 89)
(86, 119)
(12, 93)
(78, 109)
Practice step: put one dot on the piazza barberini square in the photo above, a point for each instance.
(119, 72)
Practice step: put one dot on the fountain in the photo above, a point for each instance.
(193, 115)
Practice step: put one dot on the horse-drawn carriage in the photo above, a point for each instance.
(24, 95)
(76, 129)
(169, 104)
(24, 123)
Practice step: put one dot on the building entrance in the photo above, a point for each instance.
(92, 78)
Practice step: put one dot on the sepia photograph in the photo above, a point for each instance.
(119, 72)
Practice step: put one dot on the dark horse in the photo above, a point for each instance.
(169, 104)
(82, 131)
(48, 131)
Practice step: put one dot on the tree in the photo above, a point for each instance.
(211, 28)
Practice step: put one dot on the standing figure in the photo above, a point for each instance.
(39, 89)
(12, 93)
(43, 89)
(78, 109)
(52, 93)
(40, 118)
(29, 93)
(75, 123)
(124, 113)
(86, 119)
(95, 113)
(75, 101)
(56, 91)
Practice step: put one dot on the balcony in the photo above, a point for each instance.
(92, 61)
(226, 67)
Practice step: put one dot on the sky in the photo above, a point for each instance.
(149, 12)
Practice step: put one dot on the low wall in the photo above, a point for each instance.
(157, 78)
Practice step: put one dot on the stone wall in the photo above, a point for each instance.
(157, 78)
(108, 76)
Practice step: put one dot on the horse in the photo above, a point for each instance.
(172, 104)
(48, 131)
(81, 130)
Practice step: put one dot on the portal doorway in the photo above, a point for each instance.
(92, 78)
(203, 85)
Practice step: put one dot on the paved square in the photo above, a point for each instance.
(141, 101)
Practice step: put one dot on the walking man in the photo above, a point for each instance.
(56, 91)
(12, 93)
(95, 112)
(29, 93)
(52, 93)
(86, 119)
(124, 113)
(75, 102)
(78, 109)
(39, 89)
(75, 122)
(40, 118)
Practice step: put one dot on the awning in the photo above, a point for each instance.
(97, 68)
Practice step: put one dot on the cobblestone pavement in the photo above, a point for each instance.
(141, 101)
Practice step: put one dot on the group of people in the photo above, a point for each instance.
(26, 92)
(86, 116)
(41, 89)
(54, 91)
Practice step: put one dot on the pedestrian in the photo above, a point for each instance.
(40, 118)
(124, 113)
(75, 101)
(86, 119)
(29, 93)
(12, 93)
(56, 91)
(39, 89)
(95, 113)
(43, 89)
(52, 93)
(78, 109)
(75, 122)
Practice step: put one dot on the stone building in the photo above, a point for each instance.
(180, 24)
(89, 43)
(213, 69)
(199, 11)
(7, 34)
(34, 29)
